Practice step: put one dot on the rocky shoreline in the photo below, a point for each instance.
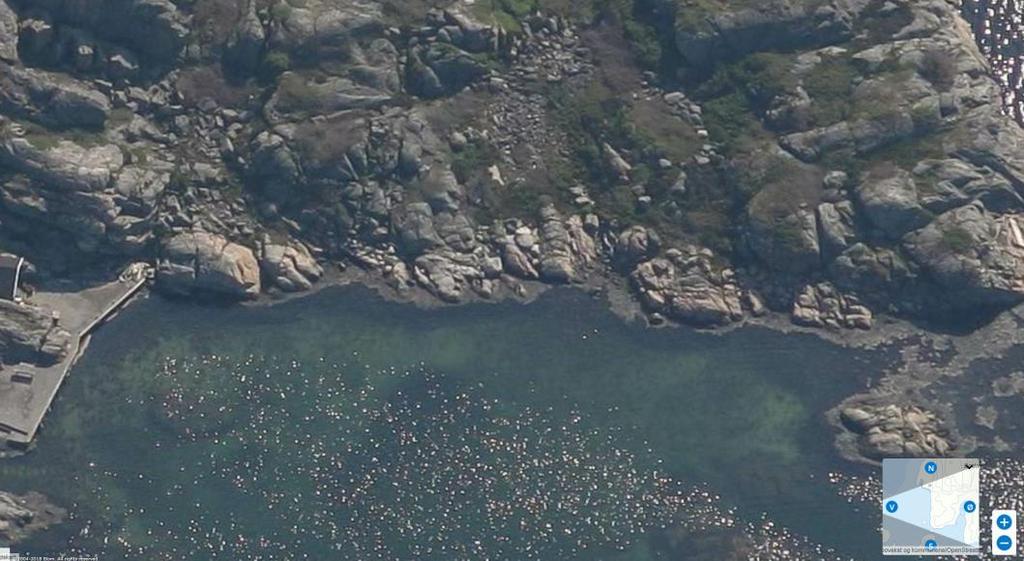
(408, 199)
(855, 180)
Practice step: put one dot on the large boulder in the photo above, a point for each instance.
(413, 226)
(274, 165)
(883, 431)
(870, 269)
(289, 267)
(635, 244)
(200, 261)
(836, 227)
(891, 203)
(786, 242)
(139, 188)
(447, 274)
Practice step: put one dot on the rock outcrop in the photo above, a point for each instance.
(635, 244)
(891, 203)
(154, 28)
(565, 247)
(28, 333)
(973, 253)
(687, 287)
(51, 99)
(822, 305)
(86, 192)
(886, 431)
(204, 262)
(705, 38)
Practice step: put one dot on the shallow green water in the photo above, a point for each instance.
(343, 426)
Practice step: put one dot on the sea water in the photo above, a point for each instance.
(343, 426)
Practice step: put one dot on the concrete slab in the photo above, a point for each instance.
(24, 405)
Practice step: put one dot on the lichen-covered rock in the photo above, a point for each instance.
(837, 228)
(245, 45)
(446, 274)
(871, 269)
(324, 27)
(204, 262)
(785, 243)
(94, 214)
(441, 69)
(976, 255)
(300, 95)
(63, 162)
(949, 183)
(516, 262)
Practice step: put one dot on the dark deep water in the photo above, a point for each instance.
(341, 426)
(997, 29)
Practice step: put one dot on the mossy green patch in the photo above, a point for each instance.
(957, 239)
(829, 85)
(737, 92)
(120, 116)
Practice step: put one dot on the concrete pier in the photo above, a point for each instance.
(28, 390)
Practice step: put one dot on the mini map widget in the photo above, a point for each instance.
(931, 506)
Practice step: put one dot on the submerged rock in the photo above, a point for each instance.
(21, 516)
